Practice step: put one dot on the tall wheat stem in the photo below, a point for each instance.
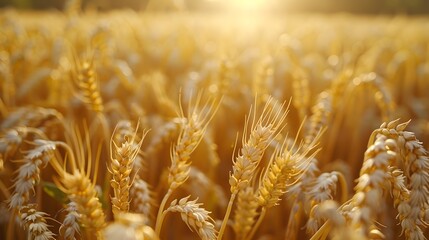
(225, 219)
(160, 216)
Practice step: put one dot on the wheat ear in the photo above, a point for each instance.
(122, 161)
(81, 191)
(29, 173)
(262, 131)
(142, 198)
(87, 84)
(373, 176)
(286, 167)
(298, 192)
(70, 227)
(321, 113)
(416, 163)
(245, 212)
(28, 176)
(78, 185)
(189, 138)
(195, 217)
(400, 194)
(35, 222)
(323, 190)
(301, 93)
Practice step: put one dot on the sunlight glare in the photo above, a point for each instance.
(243, 5)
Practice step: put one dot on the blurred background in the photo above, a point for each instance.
(270, 6)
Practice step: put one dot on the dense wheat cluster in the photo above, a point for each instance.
(126, 125)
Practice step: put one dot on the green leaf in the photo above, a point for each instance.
(52, 190)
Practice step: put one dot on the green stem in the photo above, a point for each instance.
(225, 219)
(160, 216)
(260, 218)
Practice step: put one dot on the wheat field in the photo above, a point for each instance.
(127, 125)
